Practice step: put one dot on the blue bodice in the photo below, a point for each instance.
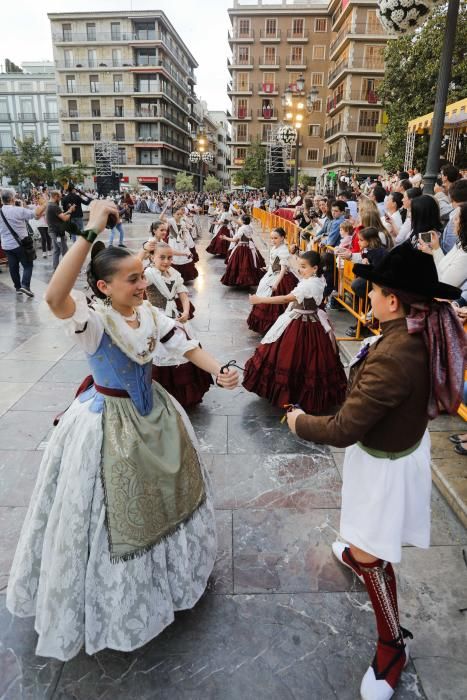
(111, 368)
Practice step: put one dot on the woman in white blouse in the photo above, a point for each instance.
(452, 267)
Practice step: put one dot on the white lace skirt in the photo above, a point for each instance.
(62, 573)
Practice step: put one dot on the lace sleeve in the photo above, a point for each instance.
(85, 326)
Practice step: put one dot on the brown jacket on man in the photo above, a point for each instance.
(386, 407)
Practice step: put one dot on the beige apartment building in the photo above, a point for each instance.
(337, 46)
(125, 78)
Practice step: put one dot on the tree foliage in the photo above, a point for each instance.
(409, 86)
(184, 182)
(72, 173)
(253, 172)
(212, 184)
(30, 161)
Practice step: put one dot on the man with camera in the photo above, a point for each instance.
(77, 198)
(13, 233)
(57, 221)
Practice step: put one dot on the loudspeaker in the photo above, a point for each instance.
(277, 181)
(105, 184)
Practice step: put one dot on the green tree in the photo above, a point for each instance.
(184, 182)
(74, 173)
(212, 184)
(253, 172)
(409, 86)
(32, 162)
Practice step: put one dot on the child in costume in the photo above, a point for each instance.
(399, 380)
(166, 291)
(219, 245)
(244, 261)
(120, 531)
(182, 245)
(278, 281)
(297, 361)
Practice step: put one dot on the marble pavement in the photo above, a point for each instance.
(281, 619)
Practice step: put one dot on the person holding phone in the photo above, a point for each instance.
(452, 267)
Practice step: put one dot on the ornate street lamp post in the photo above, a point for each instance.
(294, 106)
(201, 155)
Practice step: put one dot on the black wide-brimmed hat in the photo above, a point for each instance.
(409, 270)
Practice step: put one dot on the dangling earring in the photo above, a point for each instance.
(108, 302)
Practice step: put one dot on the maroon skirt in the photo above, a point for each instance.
(179, 306)
(300, 367)
(188, 271)
(218, 246)
(263, 316)
(186, 383)
(241, 270)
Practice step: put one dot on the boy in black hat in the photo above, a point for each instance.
(399, 380)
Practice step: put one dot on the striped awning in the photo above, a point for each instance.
(455, 117)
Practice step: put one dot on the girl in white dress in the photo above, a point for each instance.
(183, 246)
(218, 244)
(277, 281)
(96, 564)
(245, 261)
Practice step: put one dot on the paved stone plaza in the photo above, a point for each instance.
(282, 620)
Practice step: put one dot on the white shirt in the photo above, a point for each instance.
(16, 217)
(452, 267)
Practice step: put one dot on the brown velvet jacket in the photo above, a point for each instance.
(386, 407)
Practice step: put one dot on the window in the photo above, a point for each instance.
(115, 32)
(298, 27)
(373, 25)
(116, 58)
(96, 132)
(147, 109)
(149, 157)
(145, 30)
(271, 27)
(70, 83)
(319, 53)
(244, 27)
(243, 81)
(267, 109)
(366, 150)
(74, 132)
(76, 155)
(92, 58)
(68, 54)
(312, 154)
(242, 108)
(93, 83)
(318, 105)
(118, 104)
(148, 131)
(95, 108)
(149, 84)
(266, 132)
(368, 119)
(91, 31)
(121, 156)
(118, 82)
(369, 90)
(244, 55)
(6, 140)
(296, 56)
(317, 79)
(374, 56)
(270, 55)
(120, 132)
(314, 130)
(72, 108)
(321, 24)
(242, 132)
(66, 32)
(52, 108)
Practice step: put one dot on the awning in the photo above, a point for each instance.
(455, 117)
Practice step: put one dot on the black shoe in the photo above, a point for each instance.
(459, 449)
(26, 291)
(351, 330)
(19, 292)
(455, 439)
(120, 245)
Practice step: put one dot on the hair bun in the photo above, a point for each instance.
(97, 248)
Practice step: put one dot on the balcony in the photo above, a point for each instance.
(55, 150)
(269, 63)
(239, 89)
(268, 89)
(50, 116)
(353, 66)
(368, 31)
(27, 117)
(241, 140)
(5, 117)
(269, 37)
(296, 63)
(294, 37)
(267, 114)
(241, 114)
(331, 158)
(352, 97)
(240, 64)
(354, 126)
(68, 37)
(75, 136)
(242, 37)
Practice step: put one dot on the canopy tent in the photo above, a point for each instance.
(455, 124)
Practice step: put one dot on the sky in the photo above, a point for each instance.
(202, 24)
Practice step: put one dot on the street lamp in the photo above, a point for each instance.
(295, 113)
(201, 155)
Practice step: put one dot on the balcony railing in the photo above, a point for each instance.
(268, 88)
(368, 96)
(5, 117)
(73, 37)
(331, 158)
(242, 62)
(269, 36)
(357, 64)
(27, 117)
(236, 87)
(269, 63)
(333, 130)
(242, 113)
(50, 116)
(362, 28)
(366, 126)
(295, 63)
(75, 136)
(237, 35)
(293, 35)
(267, 113)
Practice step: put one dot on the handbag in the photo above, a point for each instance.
(26, 243)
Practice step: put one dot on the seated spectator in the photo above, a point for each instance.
(350, 203)
(407, 199)
(444, 203)
(416, 178)
(337, 211)
(451, 268)
(424, 217)
(449, 175)
(458, 195)
(392, 218)
(378, 195)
